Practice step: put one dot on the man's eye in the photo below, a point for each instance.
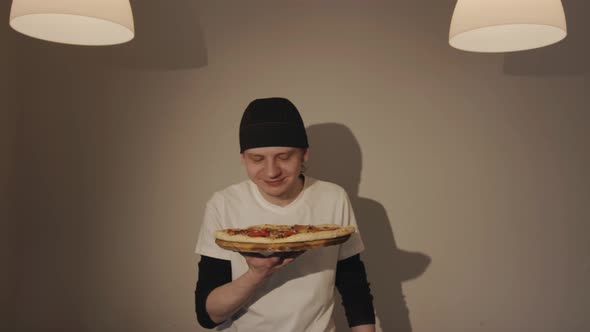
(284, 156)
(256, 160)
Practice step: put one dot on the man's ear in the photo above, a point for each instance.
(305, 154)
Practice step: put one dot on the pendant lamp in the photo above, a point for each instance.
(77, 22)
(506, 25)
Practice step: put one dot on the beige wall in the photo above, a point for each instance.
(468, 172)
(8, 128)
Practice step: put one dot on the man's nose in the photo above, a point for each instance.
(272, 169)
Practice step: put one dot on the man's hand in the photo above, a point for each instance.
(263, 266)
(363, 328)
(226, 300)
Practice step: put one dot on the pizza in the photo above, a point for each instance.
(283, 233)
(269, 237)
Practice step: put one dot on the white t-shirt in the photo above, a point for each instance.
(300, 296)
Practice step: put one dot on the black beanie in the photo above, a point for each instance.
(272, 122)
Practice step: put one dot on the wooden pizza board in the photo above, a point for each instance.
(279, 247)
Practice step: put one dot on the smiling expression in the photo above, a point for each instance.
(275, 171)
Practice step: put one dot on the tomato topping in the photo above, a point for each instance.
(288, 233)
(258, 232)
(232, 231)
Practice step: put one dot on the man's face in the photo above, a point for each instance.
(275, 170)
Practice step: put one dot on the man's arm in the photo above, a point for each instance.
(363, 328)
(225, 300)
(213, 272)
(351, 282)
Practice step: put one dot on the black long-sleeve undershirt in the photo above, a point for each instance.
(351, 282)
(213, 272)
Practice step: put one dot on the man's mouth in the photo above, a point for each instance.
(274, 183)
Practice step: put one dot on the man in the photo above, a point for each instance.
(290, 292)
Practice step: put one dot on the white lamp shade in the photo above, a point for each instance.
(506, 25)
(78, 22)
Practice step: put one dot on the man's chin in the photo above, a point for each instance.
(275, 192)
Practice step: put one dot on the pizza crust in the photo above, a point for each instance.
(269, 248)
(302, 237)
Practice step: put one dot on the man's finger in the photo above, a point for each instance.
(284, 262)
(294, 254)
(253, 254)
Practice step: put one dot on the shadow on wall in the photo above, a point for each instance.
(569, 57)
(336, 156)
(167, 37)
